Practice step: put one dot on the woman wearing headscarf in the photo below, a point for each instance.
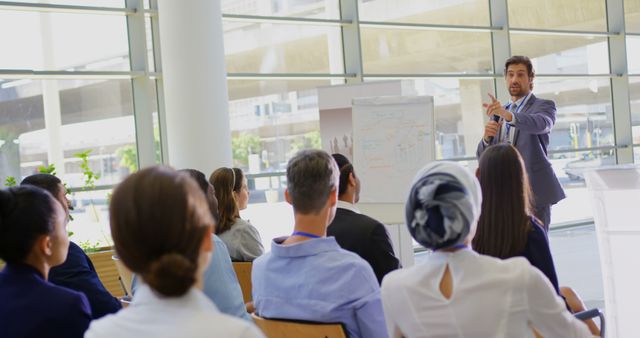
(457, 292)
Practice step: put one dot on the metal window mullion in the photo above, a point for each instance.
(60, 8)
(283, 20)
(9, 74)
(426, 26)
(500, 44)
(351, 44)
(142, 85)
(619, 84)
(561, 32)
(157, 59)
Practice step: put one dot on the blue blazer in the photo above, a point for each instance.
(32, 307)
(533, 126)
(77, 273)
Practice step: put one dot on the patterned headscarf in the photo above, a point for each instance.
(443, 205)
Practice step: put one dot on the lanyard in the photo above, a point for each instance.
(304, 234)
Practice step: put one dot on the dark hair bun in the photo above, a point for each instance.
(171, 275)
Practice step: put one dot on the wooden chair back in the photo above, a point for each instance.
(281, 328)
(107, 271)
(126, 276)
(243, 272)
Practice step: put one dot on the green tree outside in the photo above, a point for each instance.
(244, 145)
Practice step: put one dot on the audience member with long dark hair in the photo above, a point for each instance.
(456, 292)
(161, 226)
(242, 239)
(77, 272)
(507, 227)
(33, 239)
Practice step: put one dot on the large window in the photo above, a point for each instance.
(67, 100)
(65, 90)
(447, 49)
(571, 15)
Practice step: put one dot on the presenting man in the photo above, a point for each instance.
(526, 123)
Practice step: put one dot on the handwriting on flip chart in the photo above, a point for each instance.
(393, 137)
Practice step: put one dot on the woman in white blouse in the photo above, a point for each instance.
(242, 239)
(457, 292)
(161, 227)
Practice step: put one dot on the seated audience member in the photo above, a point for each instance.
(457, 292)
(307, 276)
(356, 232)
(242, 238)
(507, 227)
(33, 238)
(161, 226)
(77, 272)
(220, 280)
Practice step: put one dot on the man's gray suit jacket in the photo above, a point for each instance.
(533, 126)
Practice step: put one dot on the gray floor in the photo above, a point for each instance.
(575, 254)
(577, 260)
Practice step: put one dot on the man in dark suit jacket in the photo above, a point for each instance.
(526, 123)
(77, 272)
(356, 232)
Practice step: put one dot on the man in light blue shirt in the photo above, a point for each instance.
(307, 276)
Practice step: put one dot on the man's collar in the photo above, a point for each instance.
(306, 248)
(348, 206)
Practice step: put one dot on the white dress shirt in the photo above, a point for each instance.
(348, 206)
(192, 315)
(490, 298)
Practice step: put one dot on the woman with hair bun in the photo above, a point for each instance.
(161, 225)
(242, 239)
(33, 239)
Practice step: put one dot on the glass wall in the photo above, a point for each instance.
(274, 69)
(67, 102)
(64, 90)
(444, 49)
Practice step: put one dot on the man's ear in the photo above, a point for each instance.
(478, 173)
(352, 179)
(287, 197)
(333, 197)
